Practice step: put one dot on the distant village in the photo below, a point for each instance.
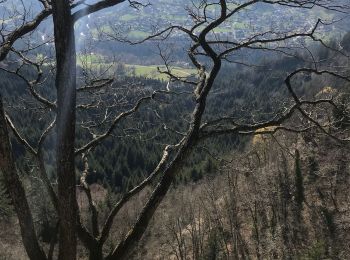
(244, 25)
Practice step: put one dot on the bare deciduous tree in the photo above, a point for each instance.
(207, 53)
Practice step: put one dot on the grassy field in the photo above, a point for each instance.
(97, 62)
(128, 17)
(152, 72)
(137, 34)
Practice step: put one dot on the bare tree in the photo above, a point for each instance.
(204, 44)
(18, 196)
(207, 53)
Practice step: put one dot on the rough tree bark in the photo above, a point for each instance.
(66, 102)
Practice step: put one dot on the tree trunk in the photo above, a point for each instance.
(17, 193)
(66, 101)
(95, 253)
(124, 248)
